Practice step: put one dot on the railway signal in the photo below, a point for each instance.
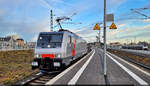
(96, 27)
(113, 26)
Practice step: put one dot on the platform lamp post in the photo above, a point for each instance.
(108, 18)
(105, 67)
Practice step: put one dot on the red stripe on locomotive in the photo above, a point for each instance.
(73, 51)
(48, 55)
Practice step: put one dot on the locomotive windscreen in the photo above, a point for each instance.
(50, 40)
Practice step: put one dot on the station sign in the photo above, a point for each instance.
(110, 17)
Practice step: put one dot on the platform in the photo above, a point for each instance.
(89, 70)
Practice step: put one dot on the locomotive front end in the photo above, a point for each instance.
(48, 51)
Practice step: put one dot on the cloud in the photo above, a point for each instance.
(2, 12)
(146, 20)
(116, 2)
(86, 33)
(130, 32)
(35, 38)
(121, 25)
(112, 34)
(51, 5)
(89, 34)
(113, 4)
(15, 16)
(11, 33)
(140, 35)
(45, 4)
(24, 27)
(147, 5)
(31, 17)
(136, 28)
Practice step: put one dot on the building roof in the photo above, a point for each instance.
(20, 39)
(5, 39)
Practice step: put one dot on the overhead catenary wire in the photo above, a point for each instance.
(132, 15)
(136, 11)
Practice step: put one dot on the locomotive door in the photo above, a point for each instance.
(71, 47)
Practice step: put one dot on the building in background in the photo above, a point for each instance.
(30, 44)
(7, 43)
(15, 42)
(11, 42)
(115, 45)
(20, 43)
(14, 37)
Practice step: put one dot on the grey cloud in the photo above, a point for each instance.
(22, 27)
(143, 34)
(86, 31)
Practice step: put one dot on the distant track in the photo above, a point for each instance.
(133, 61)
(136, 52)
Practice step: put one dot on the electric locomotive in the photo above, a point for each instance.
(54, 50)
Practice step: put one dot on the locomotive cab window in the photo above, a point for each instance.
(49, 40)
(70, 39)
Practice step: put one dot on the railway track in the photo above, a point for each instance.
(137, 63)
(39, 78)
(42, 78)
(141, 53)
(141, 65)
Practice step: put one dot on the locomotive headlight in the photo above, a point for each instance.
(37, 55)
(58, 55)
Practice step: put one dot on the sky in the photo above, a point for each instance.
(27, 18)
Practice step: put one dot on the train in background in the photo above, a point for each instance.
(55, 50)
(135, 47)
